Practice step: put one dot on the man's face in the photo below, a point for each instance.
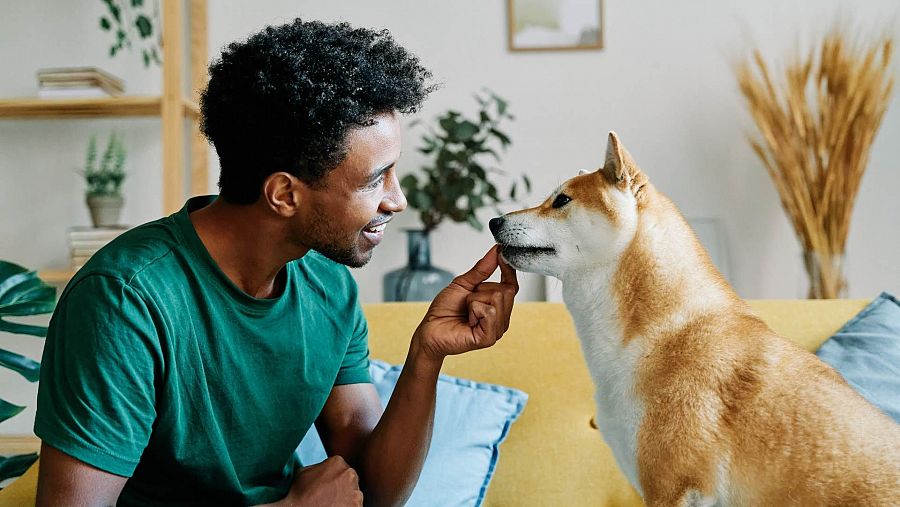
(344, 218)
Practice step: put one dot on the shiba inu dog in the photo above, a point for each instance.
(701, 403)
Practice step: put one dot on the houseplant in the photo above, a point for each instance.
(456, 183)
(104, 181)
(22, 293)
(817, 126)
(132, 22)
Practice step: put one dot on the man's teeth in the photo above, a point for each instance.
(377, 228)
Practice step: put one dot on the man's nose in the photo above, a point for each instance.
(495, 224)
(394, 200)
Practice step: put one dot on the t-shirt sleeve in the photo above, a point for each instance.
(96, 397)
(355, 366)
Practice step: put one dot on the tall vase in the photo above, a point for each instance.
(418, 280)
(826, 274)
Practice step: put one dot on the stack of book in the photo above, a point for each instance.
(70, 82)
(85, 241)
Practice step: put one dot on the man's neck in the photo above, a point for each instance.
(247, 246)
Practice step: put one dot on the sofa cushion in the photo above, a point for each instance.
(471, 420)
(866, 351)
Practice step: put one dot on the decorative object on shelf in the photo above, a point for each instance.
(455, 185)
(418, 280)
(540, 25)
(127, 18)
(77, 82)
(22, 293)
(817, 127)
(86, 241)
(104, 181)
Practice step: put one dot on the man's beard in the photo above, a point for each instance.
(343, 249)
(349, 256)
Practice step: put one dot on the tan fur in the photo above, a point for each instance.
(721, 392)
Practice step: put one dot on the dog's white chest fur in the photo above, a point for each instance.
(612, 367)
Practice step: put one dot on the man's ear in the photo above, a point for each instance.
(620, 169)
(282, 193)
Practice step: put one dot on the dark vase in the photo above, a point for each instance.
(418, 280)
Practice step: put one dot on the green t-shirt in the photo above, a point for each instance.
(158, 368)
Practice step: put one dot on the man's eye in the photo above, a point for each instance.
(561, 200)
(375, 183)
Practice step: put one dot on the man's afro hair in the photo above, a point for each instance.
(285, 99)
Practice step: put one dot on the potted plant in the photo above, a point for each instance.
(455, 184)
(22, 293)
(104, 181)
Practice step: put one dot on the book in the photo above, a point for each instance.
(59, 93)
(96, 233)
(66, 74)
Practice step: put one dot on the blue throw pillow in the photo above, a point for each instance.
(866, 351)
(471, 419)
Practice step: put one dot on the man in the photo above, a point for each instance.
(185, 362)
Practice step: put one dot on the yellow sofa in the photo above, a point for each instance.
(552, 456)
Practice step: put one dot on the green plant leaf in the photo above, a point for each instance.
(464, 130)
(22, 365)
(527, 183)
(15, 466)
(114, 10)
(137, 3)
(146, 58)
(23, 293)
(474, 222)
(512, 191)
(145, 28)
(491, 191)
(8, 410)
(448, 123)
(504, 140)
(501, 105)
(105, 24)
(409, 182)
(16, 328)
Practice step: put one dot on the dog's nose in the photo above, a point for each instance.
(495, 224)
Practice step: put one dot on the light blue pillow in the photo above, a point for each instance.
(471, 420)
(866, 351)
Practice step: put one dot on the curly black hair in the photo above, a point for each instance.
(285, 99)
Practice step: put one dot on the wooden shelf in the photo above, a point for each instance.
(191, 109)
(18, 444)
(81, 107)
(56, 276)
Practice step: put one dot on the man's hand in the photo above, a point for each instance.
(470, 313)
(331, 482)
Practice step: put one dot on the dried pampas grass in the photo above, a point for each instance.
(816, 128)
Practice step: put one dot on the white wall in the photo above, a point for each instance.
(664, 82)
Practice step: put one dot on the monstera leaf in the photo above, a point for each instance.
(22, 293)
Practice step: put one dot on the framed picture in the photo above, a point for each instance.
(542, 25)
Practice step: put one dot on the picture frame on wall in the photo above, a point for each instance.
(555, 25)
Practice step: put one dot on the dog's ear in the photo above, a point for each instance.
(620, 168)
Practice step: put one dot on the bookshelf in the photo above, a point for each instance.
(172, 106)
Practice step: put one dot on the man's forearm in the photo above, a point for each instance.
(394, 453)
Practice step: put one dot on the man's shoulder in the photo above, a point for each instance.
(145, 247)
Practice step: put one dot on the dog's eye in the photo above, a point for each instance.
(561, 200)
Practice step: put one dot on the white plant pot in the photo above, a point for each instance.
(105, 209)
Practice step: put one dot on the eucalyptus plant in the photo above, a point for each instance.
(106, 178)
(457, 181)
(125, 18)
(22, 293)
